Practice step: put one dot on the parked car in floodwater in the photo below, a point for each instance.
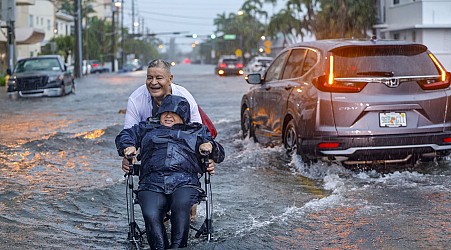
(41, 76)
(97, 67)
(352, 101)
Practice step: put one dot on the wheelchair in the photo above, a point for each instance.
(136, 235)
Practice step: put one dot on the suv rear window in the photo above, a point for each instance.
(229, 60)
(388, 60)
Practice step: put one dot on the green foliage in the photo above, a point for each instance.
(97, 40)
(247, 28)
(344, 19)
(2, 81)
(322, 18)
(146, 49)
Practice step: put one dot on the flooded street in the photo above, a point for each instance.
(62, 186)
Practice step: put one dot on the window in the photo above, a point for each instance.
(396, 36)
(310, 61)
(385, 61)
(48, 24)
(275, 70)
(395, 2)
(30, 20)
(293, 68)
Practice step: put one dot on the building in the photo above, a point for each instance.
(36, 22)
(423, 21)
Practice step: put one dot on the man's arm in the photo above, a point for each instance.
(131, 115)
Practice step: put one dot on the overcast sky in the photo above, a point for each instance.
(190, 16)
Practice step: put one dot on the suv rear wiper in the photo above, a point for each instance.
(375, 73)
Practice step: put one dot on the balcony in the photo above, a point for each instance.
(25, 2)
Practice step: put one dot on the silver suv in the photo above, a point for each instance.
(352, 101)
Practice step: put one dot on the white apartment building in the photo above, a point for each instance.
(423, 21)
(38, 21)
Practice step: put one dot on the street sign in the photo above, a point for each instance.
(229, 36)
(238, 53)
(267, 47)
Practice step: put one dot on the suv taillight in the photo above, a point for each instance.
(329, 84)
(434, 84)
(222, 65)
(239, 65)
(441, 82)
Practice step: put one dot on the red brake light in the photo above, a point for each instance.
(328, 145)
(95, 65)
(447, 140)
(239, 65)
(328, 84)
(223, 65)
(331, 84)
(439, 83)
(434, 84)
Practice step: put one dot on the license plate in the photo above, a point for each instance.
(393, 119)
(231, 66)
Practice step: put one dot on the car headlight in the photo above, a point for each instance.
(55, 78)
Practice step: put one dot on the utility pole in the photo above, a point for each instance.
(122, 34)
(133, 17)
(9, 14)
(78, 41)
(113, 35)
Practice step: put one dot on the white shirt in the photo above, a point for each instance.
(139, 106)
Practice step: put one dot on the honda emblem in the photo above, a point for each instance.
(392, 83)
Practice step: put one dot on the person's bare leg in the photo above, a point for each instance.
(193, 213)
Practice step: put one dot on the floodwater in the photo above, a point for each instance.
(62, 186)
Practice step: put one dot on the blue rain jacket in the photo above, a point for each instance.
(170, 156)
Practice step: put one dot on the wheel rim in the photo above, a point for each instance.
(291, 139)
(245, 124)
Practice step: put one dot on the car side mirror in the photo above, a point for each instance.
(254, 78)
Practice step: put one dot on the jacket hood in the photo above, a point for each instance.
(176, 104)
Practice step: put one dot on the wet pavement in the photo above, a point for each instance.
(62, 187)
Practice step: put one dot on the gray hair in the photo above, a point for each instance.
(160, 64)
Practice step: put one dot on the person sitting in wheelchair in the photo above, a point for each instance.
(171, 150)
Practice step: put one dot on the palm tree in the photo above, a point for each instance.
(254, 8)
(344, 18)
(284, 22)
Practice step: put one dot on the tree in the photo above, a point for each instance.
(344, 19)
(97, 39)
(247, 29)
(284, 22)
(61, 45)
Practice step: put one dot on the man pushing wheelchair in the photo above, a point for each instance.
(171, 150)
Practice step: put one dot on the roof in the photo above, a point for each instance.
(43, 56)
(330, 44)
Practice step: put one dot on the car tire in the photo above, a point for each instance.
(72, 89)
(247, 126)
(63, 89)
(290, 139)
(291, 142)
